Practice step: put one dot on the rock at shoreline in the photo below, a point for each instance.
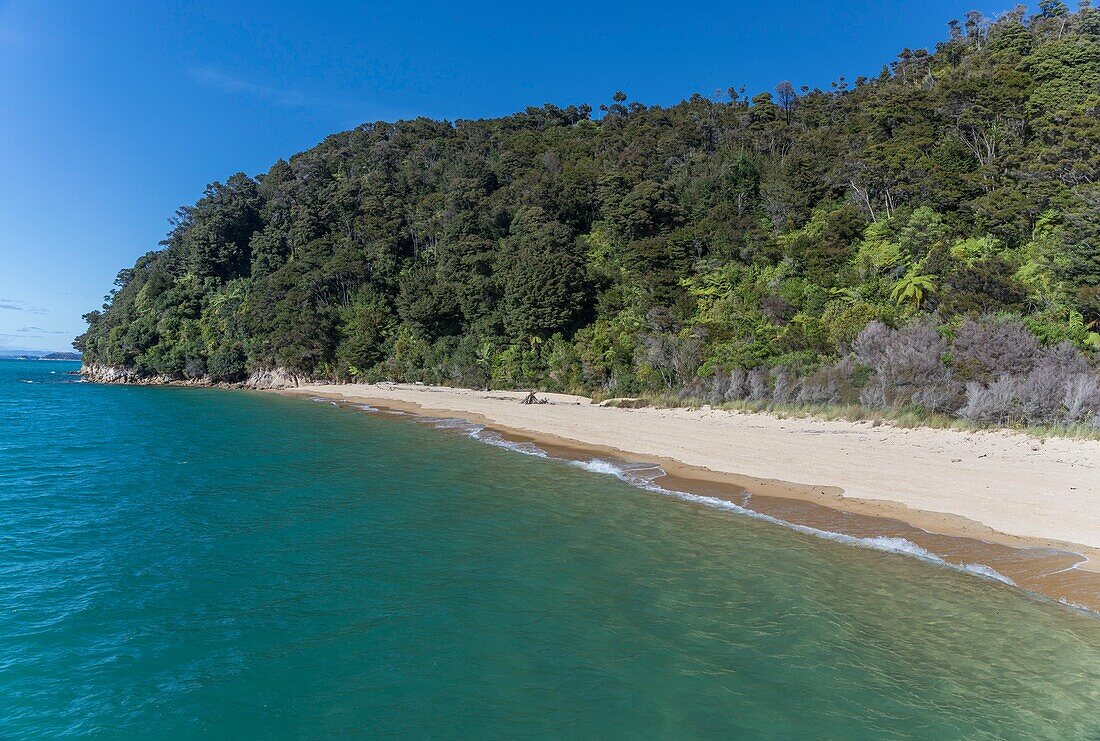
(275, 378)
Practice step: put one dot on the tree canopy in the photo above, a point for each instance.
(650, 246)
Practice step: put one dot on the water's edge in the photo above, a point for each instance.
(1043, 572)
(1040, 573)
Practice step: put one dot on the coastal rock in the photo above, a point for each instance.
(276, 378)
(273, 378)
(116, 374)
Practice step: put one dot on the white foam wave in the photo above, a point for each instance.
(489, 437)
(1078, 606)
(887, 544)
(597, 465)
(636, 474)
(494, 438)
(642, 475)
(982, 570)
(452, 423)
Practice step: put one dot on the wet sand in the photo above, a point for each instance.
(1062, 570)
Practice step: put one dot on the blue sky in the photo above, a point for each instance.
(113, 114)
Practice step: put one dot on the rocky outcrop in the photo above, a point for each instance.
(275, 378)
(119, 374)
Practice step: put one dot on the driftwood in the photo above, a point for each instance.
(532, 399)
(625, 402)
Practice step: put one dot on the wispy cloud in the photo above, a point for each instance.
(39, 330)
(21, 343)
(218, 80)
(13, 305)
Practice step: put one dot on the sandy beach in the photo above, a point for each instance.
(1028, 508)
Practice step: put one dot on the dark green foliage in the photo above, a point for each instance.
(428, 303)
(543, 275)
(656, 246)
(982, 287)
(213, 236)
(227, 364)
(826, 243)
(362, 332)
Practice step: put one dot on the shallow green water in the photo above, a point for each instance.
(181, 562)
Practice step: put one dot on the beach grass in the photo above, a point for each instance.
(909, 416)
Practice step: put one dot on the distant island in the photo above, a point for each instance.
(925, 241)
(16, 355)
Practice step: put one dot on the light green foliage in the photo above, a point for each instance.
(913, 288)
(879, 251)
(974, 248)
(924, 230)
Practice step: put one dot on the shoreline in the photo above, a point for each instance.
(572, 428)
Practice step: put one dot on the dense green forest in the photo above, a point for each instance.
(926, 237)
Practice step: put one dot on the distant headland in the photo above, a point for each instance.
(39, 356)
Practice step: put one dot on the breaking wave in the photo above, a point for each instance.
(643, 475)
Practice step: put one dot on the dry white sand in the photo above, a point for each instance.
(1000, 486)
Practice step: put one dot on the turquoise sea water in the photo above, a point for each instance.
(189, 562)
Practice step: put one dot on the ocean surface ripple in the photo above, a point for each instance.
(184, 562)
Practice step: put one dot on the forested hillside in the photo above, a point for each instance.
(927, 237)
